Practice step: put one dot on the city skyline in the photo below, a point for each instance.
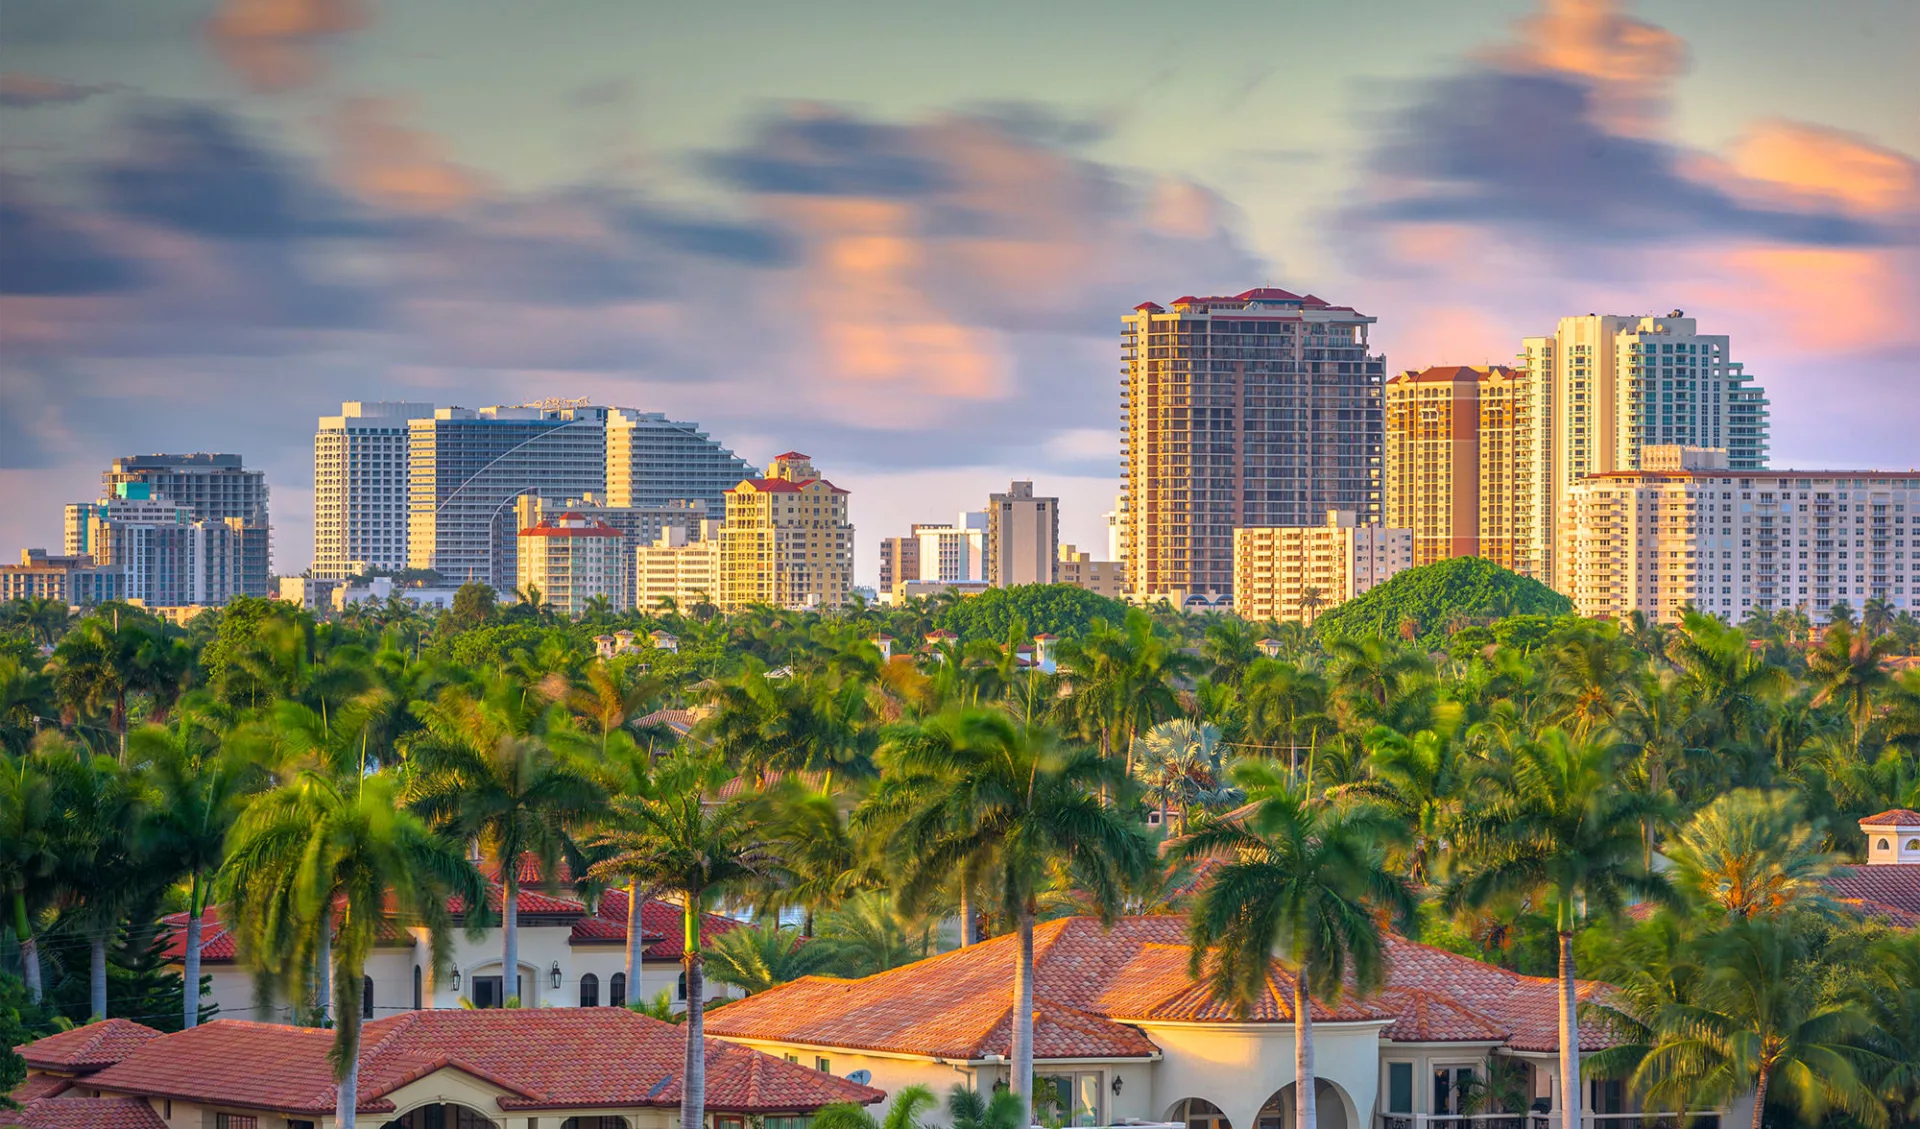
(219, 236)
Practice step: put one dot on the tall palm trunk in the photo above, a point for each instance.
(1571, 1097)
(634, 941)
(347, 1100)
(97, 971)
(966, 912)
(1760, 1097)
(1022, 1081)
(29, 946)
(510, 929)
(1305, 1109)
(323, 974)
(693, 1095)
(190, 981)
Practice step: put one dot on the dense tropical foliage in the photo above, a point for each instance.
(1456, 758)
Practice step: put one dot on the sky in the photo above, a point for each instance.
(898, 235)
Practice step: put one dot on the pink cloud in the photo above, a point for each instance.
(1630, 63)
(384, 160)
(274, 44)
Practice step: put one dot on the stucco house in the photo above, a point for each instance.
(557, 1068)
(571, 955)
(1123, 1034)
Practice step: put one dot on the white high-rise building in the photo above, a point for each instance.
(1689, 531)
(1602, 388)
(360, 487)
(655, 461)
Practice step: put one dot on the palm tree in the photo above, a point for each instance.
(865, 935)
(1298, 883)
(1179, 764)
(1751, 854)
(31, 833)
(198, 793)
(1889, 1003)
(671, 840)
(1560, 828)
(314, 869)
(487, 774)
(1757, 1025)
(101, 865)
(754, 958)
(1848, 669)
(904, 1113)
(984, 794)
(1312, 599)
(43, 618)
(1417, 783)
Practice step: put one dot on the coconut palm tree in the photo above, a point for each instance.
(1312, 600)
(903, 1113)
(1889, 1002)
(486, 773)
(670, 840)
(313, 871)
(984, 794)
(101, 865)
(1299, 883)
(1558, 827)
(1848, 668)
(1418, 784)
(31, 833)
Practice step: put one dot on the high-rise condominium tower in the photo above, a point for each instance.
(215, 488)
(1262, 409)
(466, 468)
(1449, 461)
(1023, 537)
(655, 461)
(360, 487)
(1605, 386)
(786, 540)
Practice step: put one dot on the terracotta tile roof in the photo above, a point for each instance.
(1891, 885)
(39, 1086)
(1092, 986)
(680, 721)
(83, 1049)
(662, 926)
(1088, 982)
(218, 946)
(71, 1111)
(535, 1055)
(1893, 817)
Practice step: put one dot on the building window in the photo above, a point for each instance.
(1073, 1099)
(590, 990)
(419, 1001)
(1399, 1087)
(823, 1065)
(366, 997)
(680, 989)
(1451, 1085)
(617, 990)
(792, 1121)
(235, 1121)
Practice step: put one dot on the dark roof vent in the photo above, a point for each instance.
(1678, 314)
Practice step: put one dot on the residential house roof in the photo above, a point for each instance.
(84, 1049)
(72, 1111)
(535, 1055)
(1890, 892)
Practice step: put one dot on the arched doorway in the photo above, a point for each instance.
(1198, 1113)
(442, 1115)
(1330, 1107)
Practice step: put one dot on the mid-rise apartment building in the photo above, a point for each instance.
(1260, 409)
(1102, 578)
(468, 466)
(1602, 388)
(639, 526)
(166, 556)
(572, 560)
(1450, 461)
(1023, 537)
(214, 488)
(653, 461)
(360, 487)
(899, 563)
(1688, 530)
(681, 565)
(1293, 573)
(786, 540)
(73, 580)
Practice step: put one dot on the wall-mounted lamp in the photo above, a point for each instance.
(553, 976)
(1116, 1085)
(456, 980)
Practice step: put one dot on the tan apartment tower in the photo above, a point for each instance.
(1023, 537)
(1260, 409)
(1293, 573)
(786, 540)
(1449, 461)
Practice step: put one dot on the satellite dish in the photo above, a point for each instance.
(860, 1077)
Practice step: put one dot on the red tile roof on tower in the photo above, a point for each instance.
(534, 1054)
(793, 455)
(1148, 306)
(1267, 294)
(87, 1048)
(1095, 989)
(1893, 817)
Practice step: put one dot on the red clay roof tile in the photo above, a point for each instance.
(72, 1111)
(87, 1048)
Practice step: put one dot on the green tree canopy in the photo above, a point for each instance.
(1442, 596)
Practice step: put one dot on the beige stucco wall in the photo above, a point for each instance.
(1239, 1066)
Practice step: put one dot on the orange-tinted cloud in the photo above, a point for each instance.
(1810, 165)
(390, 163)
(275, 44)
(1630, 63)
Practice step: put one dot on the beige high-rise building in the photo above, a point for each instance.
(1023, 537)
(572, 560)
(1449, 455)
(786, 540)
(1275, 568)
(1689, 531)
(1603, 387)
(1262, 409)
(1102, 578)
(681, 565)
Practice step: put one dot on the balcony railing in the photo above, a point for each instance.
(1645, 1120)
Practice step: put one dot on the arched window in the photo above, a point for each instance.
(680, 991)
(1882, 846)
(366, 997)
(1912, 845)
(617, 990)
(589, 990)
(419, 1001)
